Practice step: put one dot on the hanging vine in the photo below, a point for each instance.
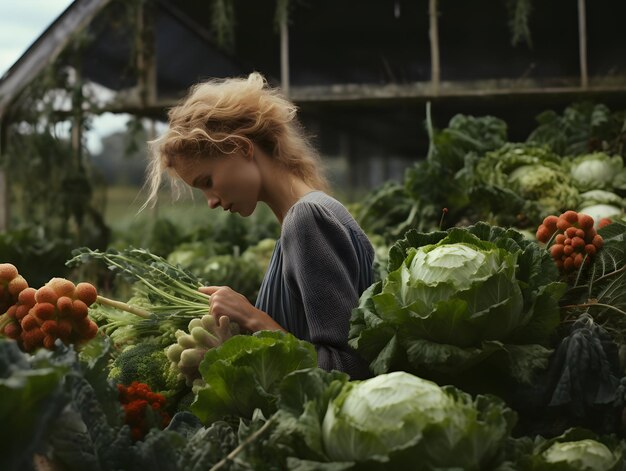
(51, 189)
(224, 21)
(519, 17)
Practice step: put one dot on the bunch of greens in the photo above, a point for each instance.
(432, 184)
(166, 296)
(242, 272)
(519, 185)
(473, 307)
(582, 128)
(389, 211)
(580, 388)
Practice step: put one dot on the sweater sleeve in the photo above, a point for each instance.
(321, 268)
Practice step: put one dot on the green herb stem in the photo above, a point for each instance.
(124, 307)
(242, 445)
(607, 306)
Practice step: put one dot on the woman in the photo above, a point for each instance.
(239, 142)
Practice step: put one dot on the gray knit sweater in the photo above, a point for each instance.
(320, 266)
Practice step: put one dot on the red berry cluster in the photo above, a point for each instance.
(11, 285)
(575, 242)
(138, 401)
(57, 310)
(604, 222)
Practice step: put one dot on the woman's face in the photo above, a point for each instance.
(231, 181)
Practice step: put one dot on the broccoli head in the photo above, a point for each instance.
(147, 363)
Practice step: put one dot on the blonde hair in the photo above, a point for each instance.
(221, 116)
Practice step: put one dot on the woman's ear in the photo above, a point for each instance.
(248, 149)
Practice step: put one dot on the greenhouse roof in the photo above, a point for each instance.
(337, 51)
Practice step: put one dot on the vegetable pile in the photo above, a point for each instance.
(495, 330)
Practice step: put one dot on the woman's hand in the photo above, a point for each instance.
(228, 302)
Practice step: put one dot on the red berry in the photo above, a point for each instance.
(556, 251)
(550, 223)
(598, 241)
(577, 242)
(590, 249)
(542, 234)
(570, 216)
(585, 221)
(562, 224)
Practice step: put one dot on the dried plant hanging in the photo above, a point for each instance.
(519, 15)
(223, 22)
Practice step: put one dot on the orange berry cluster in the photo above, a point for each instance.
(57, 310)
(137, 400)
(11, 285)
(575, 242)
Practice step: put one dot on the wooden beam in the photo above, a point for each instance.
(5, 207)
(284, 55)
(435, 66)
(582, 43)
(146, 55)
(417, 91)
(47, 48)
(77, 121)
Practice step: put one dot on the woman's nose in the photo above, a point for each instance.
(213, 202)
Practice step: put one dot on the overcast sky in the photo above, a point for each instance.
(21, 23)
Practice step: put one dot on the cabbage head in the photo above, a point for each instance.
(458, 301)
(525, 179)
(601, 204)
(596, 171)
(582, 455)
(593, 197)
(412, 423)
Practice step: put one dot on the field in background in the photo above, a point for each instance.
(123, 203)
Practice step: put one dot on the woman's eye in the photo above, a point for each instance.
(208, 183)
